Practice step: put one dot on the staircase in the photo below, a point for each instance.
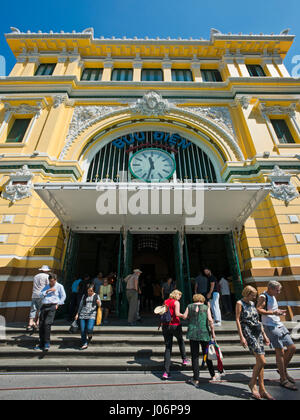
(116, 347)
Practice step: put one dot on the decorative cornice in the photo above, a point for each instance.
(24, 109)
(277, 110)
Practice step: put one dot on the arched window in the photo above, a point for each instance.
(112, 161)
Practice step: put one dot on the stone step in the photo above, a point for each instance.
(96, 351)
(59, 364)
(112, 340)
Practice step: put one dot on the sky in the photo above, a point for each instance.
(163, 18)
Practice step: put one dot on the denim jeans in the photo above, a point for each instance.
(215, 307)
(86, 328)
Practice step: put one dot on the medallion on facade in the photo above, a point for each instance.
(152, 104)
(282, 188)
(19, 186)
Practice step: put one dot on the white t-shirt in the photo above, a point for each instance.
(40, 281)
(224, 287)
(271, 320)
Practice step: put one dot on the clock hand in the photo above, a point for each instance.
(151, 163)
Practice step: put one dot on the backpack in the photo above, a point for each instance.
(166, 317)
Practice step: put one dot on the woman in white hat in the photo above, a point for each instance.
(39, 282)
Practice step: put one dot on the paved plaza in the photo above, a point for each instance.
(135, 387)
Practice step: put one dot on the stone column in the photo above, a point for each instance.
(242, 66)
(281, 67)
(74, 66)
(195, 66)
(137, 70)
(31, 66)
(107, 70)
(167, 66)
(60, 67)
(19, 66)
(268, 62)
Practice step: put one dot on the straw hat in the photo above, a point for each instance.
(137, 270)
(160, 310)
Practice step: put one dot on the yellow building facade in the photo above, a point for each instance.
(75, 113)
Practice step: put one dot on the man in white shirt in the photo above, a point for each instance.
(277, 333)
(39, 282)
(225, 296)
(53, 295)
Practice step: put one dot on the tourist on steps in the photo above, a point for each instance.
(173, 329)
(252, 335)
(277, 333)
(199, 316)
(87, 314)
(53, 296)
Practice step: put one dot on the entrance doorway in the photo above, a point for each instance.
(154, 256)
(159, 256)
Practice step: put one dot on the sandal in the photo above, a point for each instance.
(288, 385)
(267, 396)
(290, 379)
(255, 394)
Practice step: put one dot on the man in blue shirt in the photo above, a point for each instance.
(53, 296)
(74, 299)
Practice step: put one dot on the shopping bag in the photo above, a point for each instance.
(99, 317)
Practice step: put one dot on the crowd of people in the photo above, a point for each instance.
(257, 318)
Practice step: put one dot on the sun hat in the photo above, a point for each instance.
(137, 270)
(45, 268)
(160, 310)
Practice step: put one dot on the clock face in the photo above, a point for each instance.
(152, 165)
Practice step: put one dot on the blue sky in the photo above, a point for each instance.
(175, 18)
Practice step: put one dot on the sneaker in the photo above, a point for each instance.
(186, 362)
(38, 348)
(166, 376)
(47, 347)
(218, 324)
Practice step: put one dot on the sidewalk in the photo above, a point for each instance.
(136, 387)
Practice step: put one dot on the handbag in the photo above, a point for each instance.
(74, 328)
(99, 317)
(211, 353)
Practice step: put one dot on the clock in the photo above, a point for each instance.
(152, 165)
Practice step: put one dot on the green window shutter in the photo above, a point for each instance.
(282, 131)
(211, 76)
(122, 75)
(18, 130)
(255, 70)
(91, 75)
(45, 70)
(152, 75)
(182, 75)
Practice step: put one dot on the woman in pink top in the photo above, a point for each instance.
(172, 329)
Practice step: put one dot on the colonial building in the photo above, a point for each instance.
(164, 154)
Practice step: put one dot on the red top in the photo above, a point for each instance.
(171, 304)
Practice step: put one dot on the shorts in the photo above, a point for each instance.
(279, 336)
(36, 305)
